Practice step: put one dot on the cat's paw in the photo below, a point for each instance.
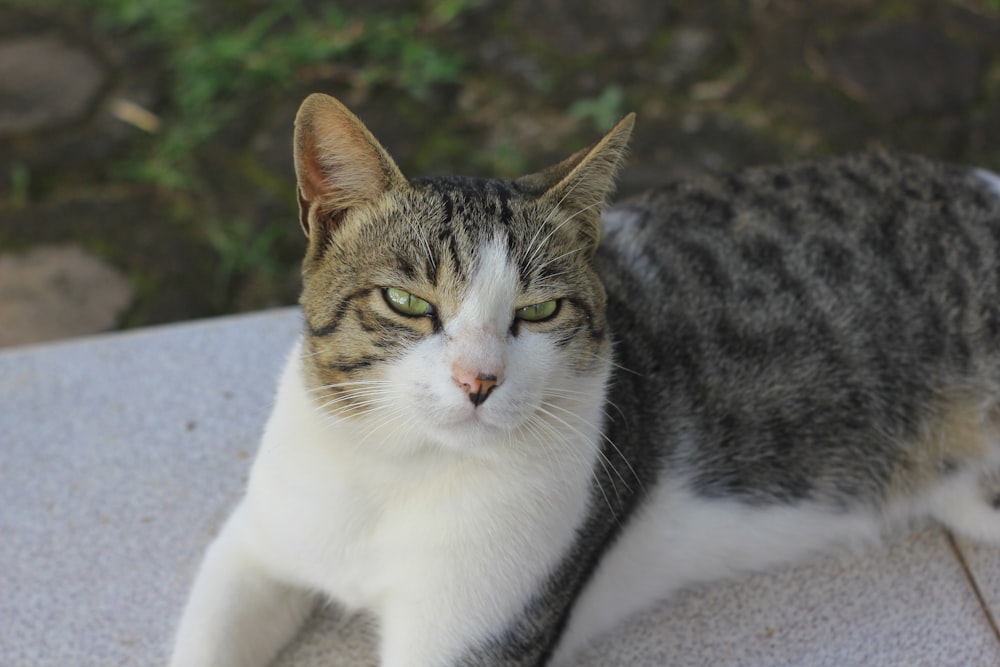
(969, 504)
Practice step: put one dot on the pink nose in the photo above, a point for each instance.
(477, 385)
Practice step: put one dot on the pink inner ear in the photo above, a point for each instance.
(312, 180)
(303, 209)
(331, 152)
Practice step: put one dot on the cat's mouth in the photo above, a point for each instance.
(474, 418)
(473, 426)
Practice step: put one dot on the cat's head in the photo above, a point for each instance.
(449, 311)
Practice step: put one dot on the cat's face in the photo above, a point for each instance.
(434, 313)
(453, 312)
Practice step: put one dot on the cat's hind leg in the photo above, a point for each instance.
(680, 538)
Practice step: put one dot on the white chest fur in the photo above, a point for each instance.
(466, 537)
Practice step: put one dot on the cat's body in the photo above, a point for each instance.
(500, 458)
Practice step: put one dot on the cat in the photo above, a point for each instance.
(511, 421)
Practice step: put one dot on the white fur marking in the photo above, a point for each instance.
(991, 179)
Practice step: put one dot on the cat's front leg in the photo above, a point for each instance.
(422, 636)
(463, 621)
(238, 614)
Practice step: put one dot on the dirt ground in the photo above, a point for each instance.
(86, 246)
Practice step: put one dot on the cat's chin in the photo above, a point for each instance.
(471, 433)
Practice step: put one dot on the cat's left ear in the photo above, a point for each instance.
(585, 180)
(339, 164)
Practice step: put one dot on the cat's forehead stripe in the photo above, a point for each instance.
(467, 213)
(448, 241)
(483, 203)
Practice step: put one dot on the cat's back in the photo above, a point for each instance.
(879, 218)
(804, 319)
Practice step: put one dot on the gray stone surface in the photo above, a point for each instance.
(121, 455)
(984, 567)
(44, 81)
(53, 292)
(119, 458)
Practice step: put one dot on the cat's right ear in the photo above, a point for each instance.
(339, 164)
(582, 183)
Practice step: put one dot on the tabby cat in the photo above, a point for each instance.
(511, 421)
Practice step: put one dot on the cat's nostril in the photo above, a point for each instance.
(478, 387)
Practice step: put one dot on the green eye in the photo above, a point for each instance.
(405, 303)
(537, 312)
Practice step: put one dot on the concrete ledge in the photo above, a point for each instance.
(121, 455)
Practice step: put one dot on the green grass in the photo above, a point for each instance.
(241, 250)
(219, 64)
(20, 184)
(602, 111)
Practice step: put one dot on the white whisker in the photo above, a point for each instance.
(389, 418)
(557, 438)
(565, 254)
(602, 459)
(423, 240)
(548, 216)
(353, 400)
(350, 383)
(541, 244)
(615, 364)
(571, 394)
(603, 436)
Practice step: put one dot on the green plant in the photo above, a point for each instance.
(219, 63)
(602, 111)
(504, 158)
(20, 184)
(241, 249)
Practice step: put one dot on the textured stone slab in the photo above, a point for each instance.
(55, 292)
(121, 455)
(119, 458)
(983, 562)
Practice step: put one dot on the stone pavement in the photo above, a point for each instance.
(121, 455)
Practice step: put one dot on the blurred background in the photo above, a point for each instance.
(145, 146)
